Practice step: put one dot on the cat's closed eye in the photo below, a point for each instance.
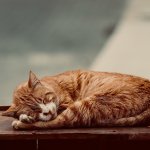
(49, 96)
(36, 109)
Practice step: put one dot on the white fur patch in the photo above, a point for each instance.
(15, 124)
(50, 109)
(25, 118)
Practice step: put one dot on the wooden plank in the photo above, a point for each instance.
(18, 145)
(92, 144)
(3, 108)
(121, 133)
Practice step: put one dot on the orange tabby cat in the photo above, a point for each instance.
(81, 99)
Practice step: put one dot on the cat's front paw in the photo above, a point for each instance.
(26, 119)
(17, 124)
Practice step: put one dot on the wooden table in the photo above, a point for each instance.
(87, 138)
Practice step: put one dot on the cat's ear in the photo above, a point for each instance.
(33, 80)
(10, 112)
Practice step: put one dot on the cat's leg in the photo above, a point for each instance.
(25, 121)
(62, 120)
(140, 119)
(75, 115)
(17, 124)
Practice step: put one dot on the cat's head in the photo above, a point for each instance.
(33, 99)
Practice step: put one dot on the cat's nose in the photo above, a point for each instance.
(46, 113)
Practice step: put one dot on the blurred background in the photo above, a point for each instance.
(51, 36)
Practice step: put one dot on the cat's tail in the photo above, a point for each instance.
(141, 119)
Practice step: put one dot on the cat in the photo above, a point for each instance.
(81, 98)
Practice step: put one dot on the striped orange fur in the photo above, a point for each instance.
(83, 99)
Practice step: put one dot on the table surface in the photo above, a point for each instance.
(116, 133)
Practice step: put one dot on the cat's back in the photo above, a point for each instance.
(93, 81)
(96, 78)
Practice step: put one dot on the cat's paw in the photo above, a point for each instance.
(26, 119)
(16, 124)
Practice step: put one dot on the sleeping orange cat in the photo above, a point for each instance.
(81, 99)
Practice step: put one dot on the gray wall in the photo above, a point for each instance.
(49, 36)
